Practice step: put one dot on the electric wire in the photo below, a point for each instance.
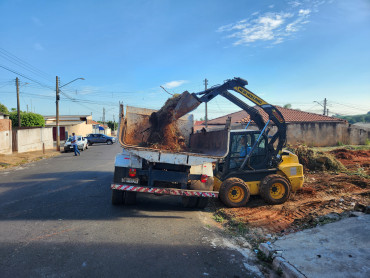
(23, 64)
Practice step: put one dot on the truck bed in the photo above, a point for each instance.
(203, 147)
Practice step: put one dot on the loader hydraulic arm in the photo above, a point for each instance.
(238, 85)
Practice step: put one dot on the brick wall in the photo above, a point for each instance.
(5, 124)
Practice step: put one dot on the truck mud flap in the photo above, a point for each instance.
(165, 191)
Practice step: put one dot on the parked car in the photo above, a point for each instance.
(99, 138)
(81, 144)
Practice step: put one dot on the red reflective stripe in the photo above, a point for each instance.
(166, 191)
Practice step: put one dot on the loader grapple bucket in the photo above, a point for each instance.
(186, 104)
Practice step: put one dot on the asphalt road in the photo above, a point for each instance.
(56, 220)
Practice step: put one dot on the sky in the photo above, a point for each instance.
(297, 52)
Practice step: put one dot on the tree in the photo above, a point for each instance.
(28, 119)
(112, 125)
(288, 105)
(4, 109)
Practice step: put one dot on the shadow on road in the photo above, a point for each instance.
(75, 195)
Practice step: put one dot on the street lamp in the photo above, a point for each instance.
(57, 107)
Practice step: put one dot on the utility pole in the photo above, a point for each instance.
(325, 111)
(114, 123)
(18, 109)
(206, 116)
(57, 113)
(103, 116)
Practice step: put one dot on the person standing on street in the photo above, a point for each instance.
(74, 144)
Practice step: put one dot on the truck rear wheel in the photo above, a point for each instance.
(234, 193)
(130, 198)
(202, 202)
(275, 189)
(194, 202)
(189, 202)
(117, 197)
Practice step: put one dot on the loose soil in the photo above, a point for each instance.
(15, 159)
(322, 193)
(164, 133)
(353, 160)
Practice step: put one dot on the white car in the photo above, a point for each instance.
(81, 144)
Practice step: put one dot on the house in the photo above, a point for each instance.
(79, 124)
(101, 128)
(302, 127)
(5, 134)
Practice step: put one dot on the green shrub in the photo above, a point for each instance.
(4, 109)
(28, 119)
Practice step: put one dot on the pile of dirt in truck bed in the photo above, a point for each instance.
(163, 133)
(323, 193)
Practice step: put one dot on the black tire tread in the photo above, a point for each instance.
(117, 197)
(264, 189)
(224, 189)
(130, 198)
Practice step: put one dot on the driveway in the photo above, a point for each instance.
(56, 220)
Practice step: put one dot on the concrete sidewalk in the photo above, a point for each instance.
(340, 249)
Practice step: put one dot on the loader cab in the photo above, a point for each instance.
(241, 143)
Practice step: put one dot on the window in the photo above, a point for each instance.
(240, 147)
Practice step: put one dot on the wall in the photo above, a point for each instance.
(81, 129)
(106, 131)
(5, 136)
(32, 139)
(318, 134)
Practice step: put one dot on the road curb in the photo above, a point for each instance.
(279, 264)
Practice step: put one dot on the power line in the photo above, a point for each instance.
(23, 64)
(24, 76)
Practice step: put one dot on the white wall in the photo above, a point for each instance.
(81, 129)
(33, 139)
(107, 131)
(6, 142)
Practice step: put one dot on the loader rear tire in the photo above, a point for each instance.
(234, 193)
(275, 189)
(117, 197)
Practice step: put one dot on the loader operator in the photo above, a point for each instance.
(243, 149)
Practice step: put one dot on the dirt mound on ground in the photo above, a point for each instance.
(164, 133)
(316, 160)
(323, 193)
(355, 160)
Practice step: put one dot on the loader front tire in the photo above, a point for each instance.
(234, 193)
(275, 189)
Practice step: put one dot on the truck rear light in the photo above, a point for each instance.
(132, 173)
(204, 178)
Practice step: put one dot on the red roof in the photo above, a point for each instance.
(198, 122)
(290, 116)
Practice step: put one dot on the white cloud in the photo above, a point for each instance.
(174, 84)
(271, 27)
(304, 12)
(37, 46)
